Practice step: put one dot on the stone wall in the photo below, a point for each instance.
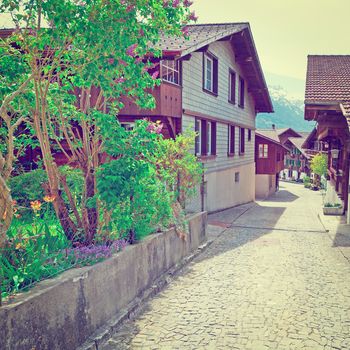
(62, 313)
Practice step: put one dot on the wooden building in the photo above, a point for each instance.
(212, 83)
(327, 101)
(269, 158)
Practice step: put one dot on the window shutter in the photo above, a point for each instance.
(203, 137)
(197, 126)
(215, 75)
(242, 140)
(213, 138)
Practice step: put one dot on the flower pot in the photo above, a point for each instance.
(333, 210)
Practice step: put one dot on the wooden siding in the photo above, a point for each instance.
(218, 107)
(168, 99)
(269, 165)
(222, 160)
(195, 99)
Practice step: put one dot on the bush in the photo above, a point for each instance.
(28, 187)
(138, 190)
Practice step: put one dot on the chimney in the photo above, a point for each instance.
(273, 126)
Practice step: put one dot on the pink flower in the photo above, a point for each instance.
(120, 80)
(176, 3)
(155, 75)
(130, 51)
(185, 31)
(141, 32)
(111, 60)
(123, 63)
(188, 3)
(193, 17)
(130, 8)
(166, 2)
(138, 60)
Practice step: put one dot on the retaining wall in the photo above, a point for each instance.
(62, 313)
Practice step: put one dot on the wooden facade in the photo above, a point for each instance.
(270, 161)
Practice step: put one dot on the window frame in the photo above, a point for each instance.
(214, 73)
(175, 70)
(205, 143)
(231, 149)
(263, 151)
(232, 78)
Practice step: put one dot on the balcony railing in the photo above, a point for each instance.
(168, 99)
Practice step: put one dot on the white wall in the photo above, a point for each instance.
(265, 185)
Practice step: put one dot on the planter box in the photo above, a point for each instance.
(62, 313)
(333, 211)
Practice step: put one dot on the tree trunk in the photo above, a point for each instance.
(6, 210)
(90, 217)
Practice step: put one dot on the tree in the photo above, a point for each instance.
(319, 164)
(319, 167)
(14, 85)
(83, 55)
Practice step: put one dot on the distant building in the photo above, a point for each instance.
(327, 101)
(269, 159)
(296, 162)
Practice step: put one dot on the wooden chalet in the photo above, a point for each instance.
(327, 101)
(269, 159)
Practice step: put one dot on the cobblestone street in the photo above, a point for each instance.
(273, 278)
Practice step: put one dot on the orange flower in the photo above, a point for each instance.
(19, 246)
(49, 199)
(35, 205)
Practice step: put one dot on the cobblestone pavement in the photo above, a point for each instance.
(274, 279)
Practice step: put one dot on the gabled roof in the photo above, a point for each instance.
(284, 130)
(241, 38)
(328, 82)
(271, 134)
(298, 143)
(328, 79)
(263, 135)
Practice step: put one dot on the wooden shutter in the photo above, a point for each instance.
(203, 137)
(232, 88)
(215, 75)
(231, 131)
(197, 127)
(242, 140)
(213, 137)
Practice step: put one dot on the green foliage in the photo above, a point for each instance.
(138, 188)
(319, 164)
(28, 187)
(330, 205)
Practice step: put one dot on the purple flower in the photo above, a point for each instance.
(130, 51)
(176, 3)
(155, 75)
(185, 31)
(120, 80)
(193, 17)
(188, 3)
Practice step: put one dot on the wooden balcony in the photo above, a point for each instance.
(168, 98)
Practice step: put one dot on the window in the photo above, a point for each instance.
(128, 126)
(232, 87)
(241, 140)
(170, 71)
(210, 73)
(249, 135)
(241, 92)
(231, 139)
(263, 151)
(205, 143)
(237, 177)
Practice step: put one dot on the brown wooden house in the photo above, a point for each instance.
(327, 101)
(269, 159)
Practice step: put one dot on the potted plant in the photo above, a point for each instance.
(332, 209)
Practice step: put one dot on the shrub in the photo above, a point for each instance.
(138, 189)
(319, 164)
(28, 187)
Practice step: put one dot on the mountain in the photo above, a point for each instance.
(289, 112)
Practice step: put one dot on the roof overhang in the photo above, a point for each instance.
(270, 140)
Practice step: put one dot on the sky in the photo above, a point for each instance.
(286, 31)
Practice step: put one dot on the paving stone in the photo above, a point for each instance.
(272, 279)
